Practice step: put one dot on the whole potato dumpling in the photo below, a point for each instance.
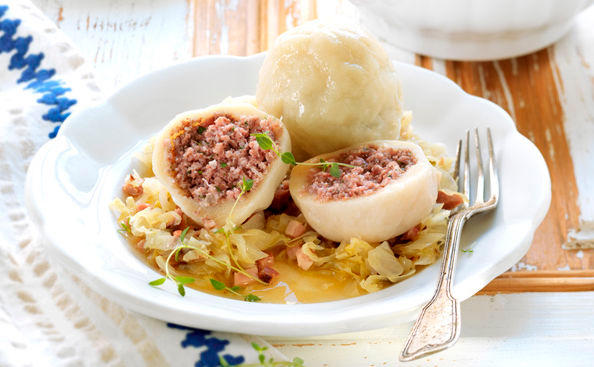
(333, 85)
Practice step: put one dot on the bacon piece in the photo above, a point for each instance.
(303, 261)
(132, 190)
(267, 273)
(140, 207)
(295, 229)
(412, 234)
(282, 197)
(449, 201)
(267, 261)
(241, 280)
(292, 252)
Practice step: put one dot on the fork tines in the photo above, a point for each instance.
(480, 188)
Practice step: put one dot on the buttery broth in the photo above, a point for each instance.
(292, 285)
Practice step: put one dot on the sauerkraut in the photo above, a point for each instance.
(153, 224)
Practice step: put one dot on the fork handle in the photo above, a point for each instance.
(438, 325)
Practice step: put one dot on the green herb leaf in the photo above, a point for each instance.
(177, 251)
(335, 170)
(201, 129)
(252, 298)
(288, 158)
(181, 289)
(182, 237)
(220, 230)
(235, 288)
(261, 358)
(263, 141)
(218, 189)
(257, 347)
(157, 282)
(468, 251)
(124, 228)
(223, 164)
(247, 184)
(219, 286)
(184, 280)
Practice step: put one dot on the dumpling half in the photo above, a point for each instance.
(390, 188)
(202, 157)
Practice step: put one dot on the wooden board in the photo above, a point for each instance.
(550, 95)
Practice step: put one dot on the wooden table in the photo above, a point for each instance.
(550, 95)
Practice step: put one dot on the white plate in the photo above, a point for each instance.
(74, 177)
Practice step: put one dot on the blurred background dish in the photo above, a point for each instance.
(470, 29)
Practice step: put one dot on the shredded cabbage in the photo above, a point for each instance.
(154, 223)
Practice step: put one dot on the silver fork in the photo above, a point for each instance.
(438, 325)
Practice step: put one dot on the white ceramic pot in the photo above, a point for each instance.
(470, 29)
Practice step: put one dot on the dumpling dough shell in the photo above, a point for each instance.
(258, 198)
(381, 215)
(333, 85)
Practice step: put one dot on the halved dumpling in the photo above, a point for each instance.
(202, 157)
(390, 189)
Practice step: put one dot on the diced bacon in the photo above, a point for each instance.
(449, 201)
(266, 274)
(267, 261)
(295, 229)
(412, 234)
(177, 233)
(292, 252)
(142, 206)
(282, 197)
(132, 190)
(241, 280)
(303, 261)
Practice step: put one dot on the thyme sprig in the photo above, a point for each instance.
(220, 286)
(181, 281)
(124, 228)
(265, 142)
(263, 362)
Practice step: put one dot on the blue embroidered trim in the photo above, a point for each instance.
(210, 357)
(51, 91)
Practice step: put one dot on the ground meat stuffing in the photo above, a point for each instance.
(374, 168)
(210, 157)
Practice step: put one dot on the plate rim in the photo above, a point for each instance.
(155, 309)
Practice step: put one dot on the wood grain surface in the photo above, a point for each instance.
(550, 95)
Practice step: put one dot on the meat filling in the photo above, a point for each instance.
(210, 157)
(374, 168)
